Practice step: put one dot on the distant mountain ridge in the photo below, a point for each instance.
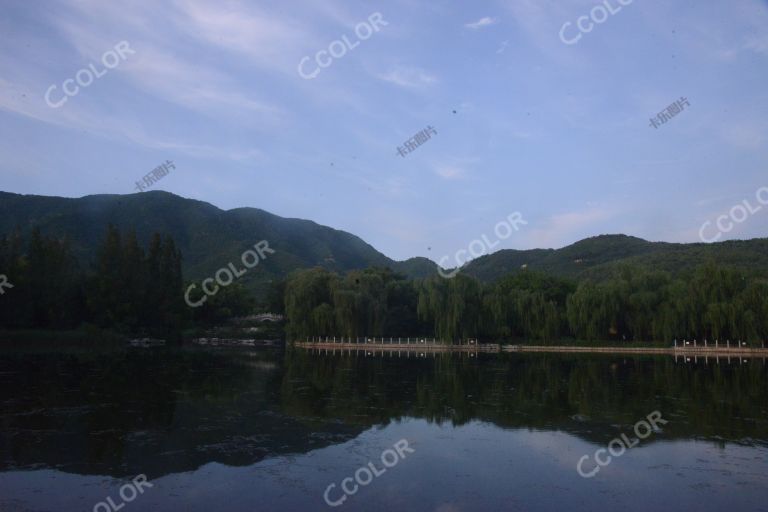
(209, 238)
(599, 256)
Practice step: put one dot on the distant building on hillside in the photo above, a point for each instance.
(263, 317)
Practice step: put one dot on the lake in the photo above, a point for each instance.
(249, 430)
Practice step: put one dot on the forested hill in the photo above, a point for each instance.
(209, 238)
(600, 257)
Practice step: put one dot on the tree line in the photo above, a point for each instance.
(128, 289)
(635, 304)
(136, 290)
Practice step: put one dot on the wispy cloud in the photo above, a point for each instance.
(757, 43)
(216, 86)
(75, 117)
(449, 172)
(408, 77)
(244, 29)
(161, 67)
(482, 22)
(744, 135)
(165, 69)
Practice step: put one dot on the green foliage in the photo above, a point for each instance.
(636, 304)
(135, 292)
(128, 291)
(47, 289)
(230, 301)
(712, 302)
(207, 236)
(452, 306)
(626, 288)
(602, 257)
(368, 302)
(528, 305)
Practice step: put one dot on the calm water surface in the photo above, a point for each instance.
(268, 430)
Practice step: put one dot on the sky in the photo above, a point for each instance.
(527, 115)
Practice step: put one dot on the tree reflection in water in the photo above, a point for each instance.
(166, 411)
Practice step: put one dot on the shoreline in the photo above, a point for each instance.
(495, 348)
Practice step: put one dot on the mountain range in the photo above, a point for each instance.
(210, 238)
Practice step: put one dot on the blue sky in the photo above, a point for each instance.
(557, 132)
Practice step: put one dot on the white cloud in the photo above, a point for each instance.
(262, 38)
(540, 21)
(408, 77)
(744, 135)
(757, 43)
(164, 66)
(449, 172)
(482, 22)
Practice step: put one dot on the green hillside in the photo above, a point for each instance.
(599, 257)
(210, 238)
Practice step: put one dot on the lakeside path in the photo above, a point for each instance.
(387, 346)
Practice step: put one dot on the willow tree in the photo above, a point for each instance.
(593, 312)
(530, 305)
(360, 302)
(306, 291)
(453, 306)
